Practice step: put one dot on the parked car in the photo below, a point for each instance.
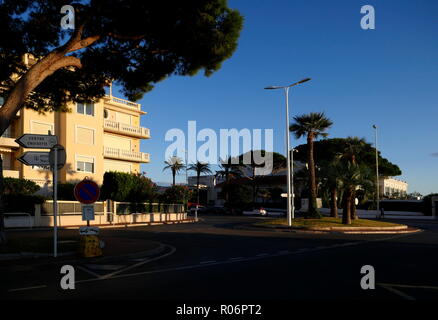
(256, 212)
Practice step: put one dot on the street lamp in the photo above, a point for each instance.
(290, 163)
(377, 169)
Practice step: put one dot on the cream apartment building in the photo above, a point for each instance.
(98, 137)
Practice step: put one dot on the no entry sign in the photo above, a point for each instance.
(87, 191)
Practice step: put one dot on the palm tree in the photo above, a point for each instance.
(330, 180)
(311, 125)
(228, 170)
(174, 164)
(353, 147)
(352, 176)
(199, 168)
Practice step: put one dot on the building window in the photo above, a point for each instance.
(2, 101)
(85, 108)
(105, 114)
(85, 164)
(41, 127)
(84, 135)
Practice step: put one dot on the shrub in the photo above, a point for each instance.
(19, 186)
(176, 194)
(22, 202)
(129, 187)
(66, 191)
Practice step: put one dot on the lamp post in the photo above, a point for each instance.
(289, 155)
(377, 170)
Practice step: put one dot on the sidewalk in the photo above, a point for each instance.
(113, 245)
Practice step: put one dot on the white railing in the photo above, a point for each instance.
(127, 129)
(128, 103)
(125, 154)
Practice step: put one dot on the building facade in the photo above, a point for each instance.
(98, 137)
(392, 188)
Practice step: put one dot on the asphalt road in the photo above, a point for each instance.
(219, 259)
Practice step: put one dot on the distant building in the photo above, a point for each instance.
(390, 187)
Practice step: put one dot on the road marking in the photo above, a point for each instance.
(172, 250)
(408, 286)
(284, 252)
(204, 262)
(88, 271)
(27, 288)
(104, 267)
(262, 254)
(398, 292)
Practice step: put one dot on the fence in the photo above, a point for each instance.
(106, 213)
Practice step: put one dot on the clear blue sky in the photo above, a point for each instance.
(387, 76)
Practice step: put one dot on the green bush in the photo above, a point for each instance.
(120, 186)
(176, 194)
(19, 186)
(66, 191)
(22, 202)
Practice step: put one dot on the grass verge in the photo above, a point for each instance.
(327, 222)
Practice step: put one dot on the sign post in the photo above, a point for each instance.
(87, 192)
(55, 159)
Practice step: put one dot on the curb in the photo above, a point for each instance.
(347, 230)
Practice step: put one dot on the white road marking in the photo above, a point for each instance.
(27, 288)
(88, 271)
(104, 267)
(398, 292)
(408, 286)
(203, 262)
(173, 249)
(262, 254)
(237, 258)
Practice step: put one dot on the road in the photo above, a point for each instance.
(220, 258)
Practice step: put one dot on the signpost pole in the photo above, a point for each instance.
(55, 203)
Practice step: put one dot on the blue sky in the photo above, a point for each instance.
(387, 76)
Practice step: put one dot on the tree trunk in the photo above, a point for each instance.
(312, 211)
(346, 214)
(333, 203)
(353, 206)
(2, 204)
(197, 187)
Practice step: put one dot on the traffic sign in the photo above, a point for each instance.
(35, 158)
(37, 141)
(87, 212)
(87, 191)
(61, 157)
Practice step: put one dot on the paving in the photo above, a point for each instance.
(216, 259)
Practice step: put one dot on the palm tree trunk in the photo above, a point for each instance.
(353, 206)
(333, 203)
(313, 211)
(197, 187)
(346, 215)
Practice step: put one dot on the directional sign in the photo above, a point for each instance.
(37, 141)
(35, 158)
(87, 191)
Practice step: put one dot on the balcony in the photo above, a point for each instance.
(126, 129)
(123, 103)
(11, 173)
(8, 142)
(127, 155)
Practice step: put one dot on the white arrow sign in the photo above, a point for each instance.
(35, 158)
(37, 141)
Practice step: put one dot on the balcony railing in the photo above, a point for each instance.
(115, 153)
(127, 129)
(127, 103)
